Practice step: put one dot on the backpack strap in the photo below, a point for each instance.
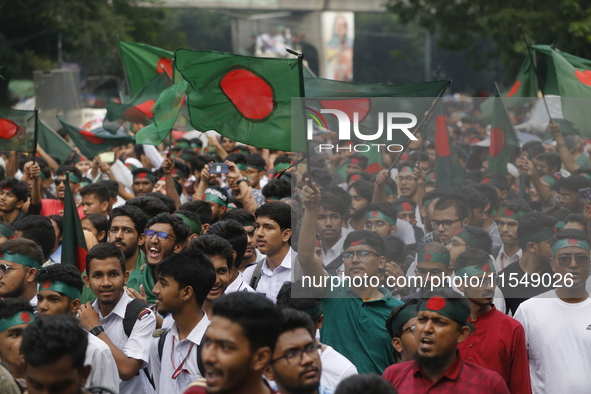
(161, 335)
(334, 265)
(133, 312)
(256, 275)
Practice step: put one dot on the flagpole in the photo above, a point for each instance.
(531, 58)
(422, 124)
(35, 135)
(126, 77)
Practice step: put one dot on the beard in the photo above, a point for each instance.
(303, 389)
(358, 214)
(431, 363)
(18, 292)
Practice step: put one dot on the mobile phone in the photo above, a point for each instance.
(585, 195)
(107, 157)
(218, 168)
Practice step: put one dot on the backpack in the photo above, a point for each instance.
(256, 275)
(161, 335)
(132, 312)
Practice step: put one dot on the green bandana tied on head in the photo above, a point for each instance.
(380, 215)
(214, 195)
(281, 166)
(15, 320)
(20, 259)
(242, 167)
(447, 308)
(61, 287)
(551, 181)
(473, 270)
(511, 214)
(567, 242)
(470, 239)
(147, 175)
(258, 168)
(434, 257)
(410, 311)
(542, 235)
(406, 169)
(191, 224)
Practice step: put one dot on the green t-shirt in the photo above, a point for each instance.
(357, 329)
(88, 295)
(143, 276)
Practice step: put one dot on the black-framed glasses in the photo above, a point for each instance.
(581, 260)
(362, 255)
(410, 328)
(455, 243)
(445, 223)
(295, 357)
(5, 268)
(162, 236)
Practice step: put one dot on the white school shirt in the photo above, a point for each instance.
(335, 368)
(134, 346)
(162, 369)
(503, 261)
(238, 284)
(558, 339)
(104, 371)
(271, 281)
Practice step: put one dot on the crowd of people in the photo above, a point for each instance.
(260, 276)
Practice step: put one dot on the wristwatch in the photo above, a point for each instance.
(241, 180)
(97, 330)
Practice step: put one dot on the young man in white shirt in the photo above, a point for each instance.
(508, 222)
(105, 317)
(557, 322)
(60, 289)
(184, 280)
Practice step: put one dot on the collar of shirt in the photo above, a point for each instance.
(338, 246)
(452, 372)
(119, 309)
(285, 264)
(196, 333)
(484, 316)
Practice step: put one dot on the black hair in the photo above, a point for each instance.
(214, 245)
(337, 192)
(137, 216)
(552, 159)
(358, 176)
(234, 233)
(294, 319)
(471, 257)
(321, 177)
(49, 338)
(167, 200)
(258, 317)
(151, 206)
(516, 205)
(19, 188)
(394, 314)
(396, 250)
(575, 182)
(531, 223)
(201, 208)
(335, 203)
(190, 268)
(38, 229)
(361, 159)
(256, 160)
(236, 158)
(66, 273)
(240, 215)
(112, 186)
(363, 188)
(100, 222)
(490, 193)
(59, 220)
(475, 199)
(281, 159)
(100, 190)
(276, 189)
(277, 211)
(578, 218)
(303, 304)
(179, 165)
(199, 161)
(181, 230)
(569, 233)
(481, 237)
(62, 170)
(433, 194)
(138, 149)
(454, 201)
(372, 239)
(192, 216)
(385, 207)
(196, 141)
(104, 251)
(533, 148)
(11, 306)
(142, 170)
(500, 181)
(365, 383)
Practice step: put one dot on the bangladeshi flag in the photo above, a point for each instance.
(448, 169)
(91, 144)
(246, 99)
(552, 84)
(18, 130)
(143, 62)
(574, 86)
(52, 143)
(139, 109)
(74, 247)
(503, 140)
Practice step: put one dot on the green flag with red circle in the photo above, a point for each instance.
(246, 99)
(448, 168)
(143, 62)
(74, 249)
(503, 140)
(17, 130)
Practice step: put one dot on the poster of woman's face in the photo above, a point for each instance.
(338, 30)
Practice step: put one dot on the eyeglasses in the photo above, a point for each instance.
(455, 244)
(424, 272)
(378, 223)
(60, 181)
(445, 223)
(295, 357)
(408, 178)
(564, 197)
(581, 260)
(411, 329)
(162, 236)
(362, 255)
(5, 268)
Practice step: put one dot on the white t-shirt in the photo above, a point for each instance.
(335, 368)
(104, 368)
(558, 337)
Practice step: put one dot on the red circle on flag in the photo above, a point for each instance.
(508, 212)
(441, 137)
(406, 206)
(375, 213)
(486, 180)
(46, 284)
(427, 256)
(514, 88)
(355, 243)
(486, 267)
(251, 95)
(164, 64)
(8, 129)
(91, 137)
(24, 316)
(584, 77)
(573, 241)
(436, 303)
(497, 141)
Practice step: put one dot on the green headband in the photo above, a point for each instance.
(5, 231)
(560, 224)
(511, 214)
(16, 319)
(427, 202)
(73, 178)
(242, 167)
(473, 270)
(405, 205)
(20, 259)
(567, 242)
(61, 287)
(403, 317)
(281, 166)
(146, 175)
(470, 239)
(258, 168)
(406, 169)
(216, 196)
(192, 225)
(542, 235)
(447, 308)
(551, 181)
(42, 175)
(434, 257)
(380, 215)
